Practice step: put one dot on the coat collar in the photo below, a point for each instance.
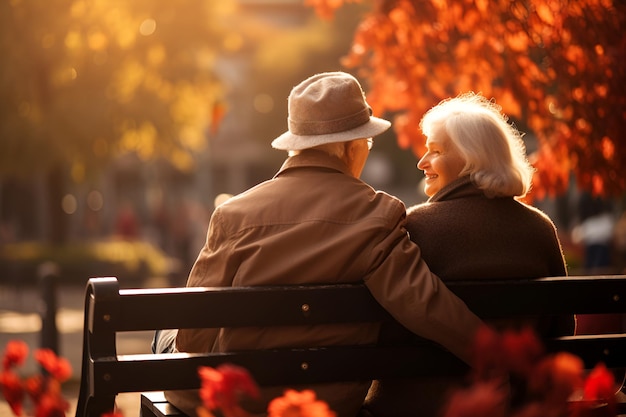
(459, 188)
(313, 158)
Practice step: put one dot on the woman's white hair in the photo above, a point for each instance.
(493, 149)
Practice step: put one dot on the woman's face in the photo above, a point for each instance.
(442, 163)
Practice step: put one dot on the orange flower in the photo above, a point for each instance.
(59, 368)
(299, 404)
(15, 354)
(222, 387)
(12, 390)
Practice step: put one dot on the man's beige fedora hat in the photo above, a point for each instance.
(326, 108)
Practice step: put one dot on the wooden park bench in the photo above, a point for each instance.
(110, 310)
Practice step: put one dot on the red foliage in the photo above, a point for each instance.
(325, 9)
(218, 111)
(555, 66)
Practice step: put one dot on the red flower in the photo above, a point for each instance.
(51, 404)
(522, 350)
(600, 384)
(510, 351)
(222, 387)
(299, 404)
(34, 386)
(44, 390)
(12, 390)
(556, 378)
(59, 368)
(487, 352)
(15, 354)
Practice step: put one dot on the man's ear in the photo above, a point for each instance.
(350, 150)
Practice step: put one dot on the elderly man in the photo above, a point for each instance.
(317, 222)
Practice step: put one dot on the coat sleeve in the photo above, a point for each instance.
(404, 285)
(209, 270)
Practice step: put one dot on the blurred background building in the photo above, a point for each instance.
(267, 47)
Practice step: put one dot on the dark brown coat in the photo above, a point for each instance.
(464, 234)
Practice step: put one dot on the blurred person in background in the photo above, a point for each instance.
(620, 244)
(126, 222)
(595, 232)
(598, 235)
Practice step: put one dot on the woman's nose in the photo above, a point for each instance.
(421, 163)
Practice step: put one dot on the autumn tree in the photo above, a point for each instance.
(557, 68)
(83, 82)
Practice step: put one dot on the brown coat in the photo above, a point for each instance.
(464, 234)
(315, 223)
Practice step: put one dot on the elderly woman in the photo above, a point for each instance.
(473, 225)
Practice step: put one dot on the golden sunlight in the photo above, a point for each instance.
(97, 40)
(127, 80)
(141, 140)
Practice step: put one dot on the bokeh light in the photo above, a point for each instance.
(69, 204)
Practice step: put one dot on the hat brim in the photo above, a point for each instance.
(290, 142)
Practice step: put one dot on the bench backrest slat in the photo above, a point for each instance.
(555, 295)
(276, 367)
(223, 307)
(132, 373)
(232, 307)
